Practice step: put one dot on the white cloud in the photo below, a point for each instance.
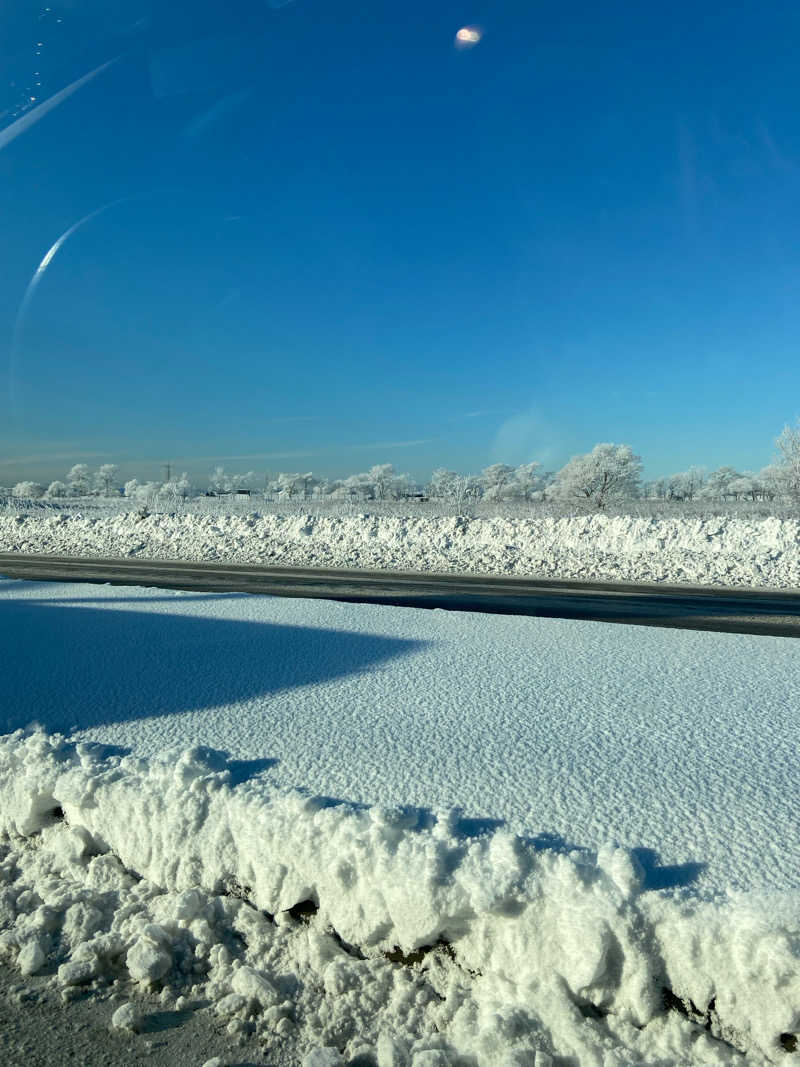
(393, 444)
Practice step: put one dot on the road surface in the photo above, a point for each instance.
(734, 610)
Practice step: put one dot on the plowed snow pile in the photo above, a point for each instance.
(724, 551)
(548, 952)
(602, 869)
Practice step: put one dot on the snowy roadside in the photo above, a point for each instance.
(43, 1024)
(399, 935)
(300, 923)
(720, 551)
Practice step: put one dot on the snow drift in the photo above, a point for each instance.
(418, 946)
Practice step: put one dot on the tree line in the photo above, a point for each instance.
(609, 473)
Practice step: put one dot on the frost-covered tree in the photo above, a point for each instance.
(493, 478)
(147, 492)
(528, 481)
(402, 485)
(219, 481)
(442, 483)
(184, 486)
(381, 477)
(360, 487)
(78, 479)
(309, 483)
(748, 487)
(57, 489)
(718, 484)
(243, 481)
(176, 488)
(788, 464)
(334, 489)
(105, 478)
(459, 491)
(291, 485)
(686, 485)
(608, 472)
(28, 490)
(772, 481)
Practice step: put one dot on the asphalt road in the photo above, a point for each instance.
(733, 610)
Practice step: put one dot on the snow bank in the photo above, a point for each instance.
(166, 872)
(681, 743)
(723, 551)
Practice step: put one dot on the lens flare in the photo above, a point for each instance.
(33, 285)
(468, 36)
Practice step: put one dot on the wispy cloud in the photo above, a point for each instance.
(324, 450)
(476, 414)
(391, 444)
(294, 418)
(244, 457)
(50, 457)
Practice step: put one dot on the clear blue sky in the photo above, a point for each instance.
(334, 239)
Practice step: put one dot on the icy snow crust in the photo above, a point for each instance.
(724, 551)
(177, 870)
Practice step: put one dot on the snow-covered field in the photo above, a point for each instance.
(279, 806)
(725, 550)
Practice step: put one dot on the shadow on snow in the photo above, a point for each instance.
(465, 828)
(72, 668)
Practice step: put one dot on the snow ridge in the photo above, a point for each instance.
(718, 551)
(550, 952)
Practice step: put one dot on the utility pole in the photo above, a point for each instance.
(168, 472)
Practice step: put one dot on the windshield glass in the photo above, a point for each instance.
(315, 239)
(399, 533)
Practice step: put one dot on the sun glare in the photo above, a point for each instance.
(468, 36)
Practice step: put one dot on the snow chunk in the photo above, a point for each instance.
(254, 986)
(147, 961)
(77, 972)
(323, 1057)
(31, 958)
(232, 1004)
(125, 1018)
(391, 1052)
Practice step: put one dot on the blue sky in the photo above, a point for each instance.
(319, 236)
